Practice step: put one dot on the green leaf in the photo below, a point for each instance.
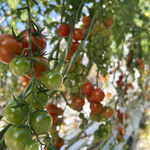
(2, 144)
(13, 3)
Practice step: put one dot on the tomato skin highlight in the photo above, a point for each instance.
(39, 68)
(32, 145)
(64, 30)
(19, 66)
(16, 138)
(41, 42)
(41, 122)
(97, 95)
(9, 47)
(15, 115)
(52, 80)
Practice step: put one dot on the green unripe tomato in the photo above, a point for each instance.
(40, 100)
(97, 136)
(52, 80)
(81, 126)
(16, 138)
(78, 70)
(32, 145)
(15, 115)
(68, 84)
(75, 89)
(19, 66)
(70, 76)
(95, 117)
(41, 122)
(109, 126)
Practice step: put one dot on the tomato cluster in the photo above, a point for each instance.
(121, 116)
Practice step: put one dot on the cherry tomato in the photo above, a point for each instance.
(24, 79)
(19, 66)
(41, 122)
(89, 99)
(64, 30)
(120, 130)
(59, 111)
(129, 59)
(40, 40)
(54, 117)
(97, 95)
(78, 35)
(87, 88)
(40, 100)
(9, 47)
(74, 46)
(109, 23)
(59, 142)
(24, 84)
(52, 80)
(32, 145)
(78, 101)
(108, 112)
(70, 54)
(96, 108)
(87, 21)
(39, 68)
(16, 138)
(15, 115)
(140, 61)
(51, 108)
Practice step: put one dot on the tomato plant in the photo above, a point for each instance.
(38, 38)
(40, 66)
(15, 114)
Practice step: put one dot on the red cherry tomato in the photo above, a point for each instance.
(54, 117)
(78, 101)
(9, 47)
(64, 30)
(87, 88)
(59, 142)
(97, 95)
(39, 67)
(78, 35)
(74, 46)
(140, 61)
(40, 40)
(96, 108)
(59, 111)
(87, 21)
(70, 54)
(24, 79)
(120, 130)
(51, 108)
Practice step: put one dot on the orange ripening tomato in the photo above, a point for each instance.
(109, 22)
(108, 112)
(70, 54)
(9, 47)
(39, 68)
